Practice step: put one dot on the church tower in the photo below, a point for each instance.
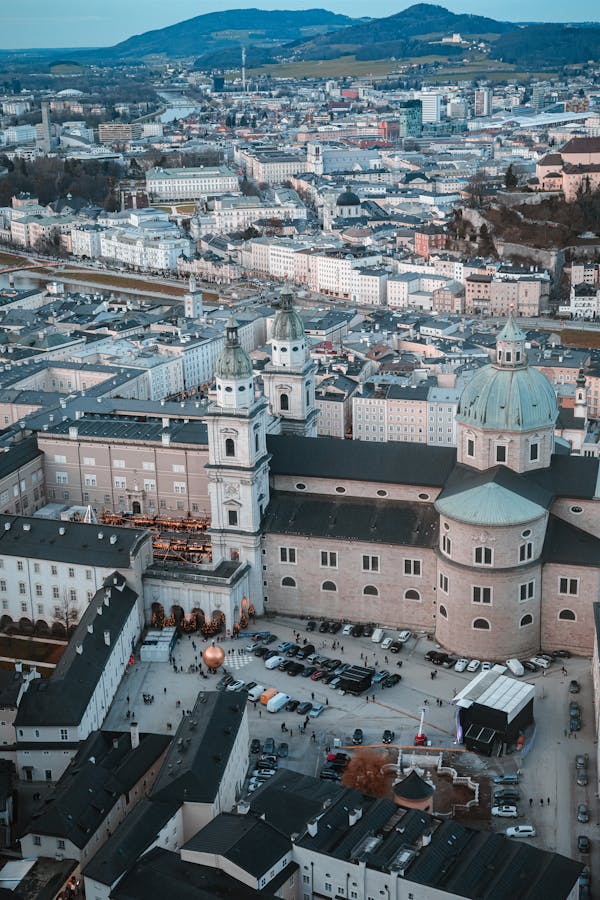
(193, 301)
(289, 379)
(580, 409)
(238, 463)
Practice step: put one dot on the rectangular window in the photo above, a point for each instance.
(73, 596)
(569, 586)
(64, 734)
(89, 480)
(61, 844)
(149, 484)
(484, 556)
(470, 447)
(19, 565)
(40, 609)
(120, 483)
(62, 478)
(444, 583)
(54, 570)
(22, 589)
(37, 840)
(36, 568)
(179, 487)
(534, 451)
(89, 461)
(55, 593)
(179, 470)
(412, 567)
(500, 453)
(88, 574)
(71, 572)
(232, 516)
(526, 591)
(148, 466)
(39, 591)
(287, 555)
(328, 559)
(482, 595)
(525, 551)
(370, 564)
(446, 545)
(118, 463)
(60, 459)
(23, 606)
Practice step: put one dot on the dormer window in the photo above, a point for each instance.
(518, 355)
(508, 356)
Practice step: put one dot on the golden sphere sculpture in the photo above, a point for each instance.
(213, 656)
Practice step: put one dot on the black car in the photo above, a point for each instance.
(255, 746)
(308, 671)
(327, 679)
(388, 736)
(328, 774)
(269, 746)
(367, 630)
(304, 708)
(270, 654)
(334, 627)
(250, 685)
(506, 797)
(283, 750)
(449, 662)
(391, 680)
(583, 843)
(324, 627)
(395, 647)
(311, 625)
(285, 665)
(529, 666)
(295, 668)
(292, 705)
(305, 651)
(561, 654)
(357, 737)
(357, 631)
(261, 651)
(271, 638)
(331, 664)
(293, 651)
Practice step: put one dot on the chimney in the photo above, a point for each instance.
(18, 665)
(135, 735)
(79, 649)
(354, 815)
(91, 628)
(107, 638)
(312, 827)
(166, 438)
(73, 432)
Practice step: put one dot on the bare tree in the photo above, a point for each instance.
(66, 612)
(365, 774)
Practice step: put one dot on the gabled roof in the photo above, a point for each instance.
(244, 840)
(569, 545)
(568, 476)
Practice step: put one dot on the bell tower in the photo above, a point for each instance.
(238, 463)
(289, 378)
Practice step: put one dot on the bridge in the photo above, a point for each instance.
(23, 266)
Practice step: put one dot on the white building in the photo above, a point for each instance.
(154, 251)
(85, 241)
(191, 184)
(432, 106)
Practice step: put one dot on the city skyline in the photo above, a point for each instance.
(111, 21)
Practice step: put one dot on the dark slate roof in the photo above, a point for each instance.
(86, 793)
(63, 698)
(245, 840)
(289, 799)
(567, 419)
(413, 787)
(10, 687)
(569, 545)
(161, 873)
(392, 462)
(132, 838)
(18, 455)
(352, 519)
(121, 428)
(194, 766)
(463, 478)
(69, 542)
(568, 476)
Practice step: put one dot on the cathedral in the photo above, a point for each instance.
(493, 546)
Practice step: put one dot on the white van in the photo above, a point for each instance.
(274, 662)
(278, 702)
(515, 667)
(254, 694)
(378, 635)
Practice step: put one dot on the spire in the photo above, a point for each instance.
(510, 346)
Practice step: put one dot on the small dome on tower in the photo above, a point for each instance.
(233, 362)
(348, 198)
(287, 325)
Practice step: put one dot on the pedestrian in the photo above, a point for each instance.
(165, 690)
(386, 659)
(373, 698)
(260, 714)
(283, 726)
(367, 697)
(326, 701)
(548, 801)
(342, 649)
(127, 698)
(291, 729)
(313, 737)
(530, 802)
(312, 696)
(541, 801)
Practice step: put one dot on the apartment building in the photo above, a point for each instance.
(116, 464)
(585, 272)
(333, 399)
(154, 251)
(22, 486)
(238, 213)
(390, 412)
(85, 241)
(272, 166)
(119, 132)
(493, 296)
(191, 184)
(442, 404)
(332, 272)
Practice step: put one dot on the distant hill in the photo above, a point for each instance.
(542, 46)
(208, 33)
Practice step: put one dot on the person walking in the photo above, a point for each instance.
(530, 802)
(548, 801)
(541, 801)
(313, 737)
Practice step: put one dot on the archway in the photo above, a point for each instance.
(42, 629)
(58, 631)
(25, 625)
(177, 615)
(196, 620)
(216, 624)
(5, 621)
(71, 630)
(136, 508)
(158, 615)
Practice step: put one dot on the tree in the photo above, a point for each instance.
(486, 244)
(66, 612)
(476, 190)
(510, 179)
(365, 773)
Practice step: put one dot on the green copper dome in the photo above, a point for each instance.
(233, 363)
(287, 325)
(515, 399)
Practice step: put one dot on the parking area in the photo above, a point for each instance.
(547, 772)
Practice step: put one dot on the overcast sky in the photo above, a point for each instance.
(86, 23)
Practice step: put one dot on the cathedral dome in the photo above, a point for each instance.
(508, 400)
(348, 198)
(234, 362)
(287, 325)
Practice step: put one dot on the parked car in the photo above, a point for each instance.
(524, 831)
(357, 630)
(334, 627)
(561, 654)
(267, 760)
(255, 745)
(273, 662)
(388, 736)
(316, 710)
(236, 685)
(529, 666)
(367, 630)
(396, 647)
(327, 679)
(264, 773)
(505, 812)
(391, 680)
(380, 676)
(582, 778)
(311, 625)
(486, 666)
(318, 674)
(387, 643)
(540, 661)
(574, 686)
(269, 746)
(250, 685)
(449, 662)
(460, 665)
(283, 750)
(473, 665)
(305, 652)
(304, 708)
(308, 671)
(270, 638)
(506, 779)
(582, 813)
(295, 668)
(292, 705)
(324, 627)
(506, 795)
(329, 774)
(331, 664)
(261, 651)
(580, 761)
(347, 630)
(357, 737)
(404, 636)
(336, 756)
(285, 646)
(583, 843)
(292, 651)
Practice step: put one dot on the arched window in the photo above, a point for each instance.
(443, 612)
(567, 615)
(371, 590)
(288, 582)
(412, 595)
(284, 402)
(526, 620)
(482, 624)
(229, 447)
(329, 586)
